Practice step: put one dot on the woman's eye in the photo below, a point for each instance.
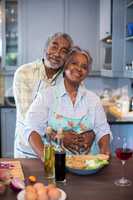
(84, 67)
(73, 63)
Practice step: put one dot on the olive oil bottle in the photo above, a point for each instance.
(49, 156)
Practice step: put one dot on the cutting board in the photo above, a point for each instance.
(14, 168)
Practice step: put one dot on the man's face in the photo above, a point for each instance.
(57, 51)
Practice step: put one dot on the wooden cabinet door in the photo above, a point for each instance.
(8, 121)
(82, 23)
(105, 19)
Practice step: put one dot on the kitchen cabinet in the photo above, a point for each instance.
(128, 60)
(116, 42)
(105, 18)
(38, 20)
(82, 23)
(25, 35)
(7, 132)
(76, 17)
(9, 34)
(26, 26)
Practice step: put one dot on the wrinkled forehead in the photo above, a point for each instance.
(61, 41)
(79, 56)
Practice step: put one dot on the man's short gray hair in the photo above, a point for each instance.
(59, 34)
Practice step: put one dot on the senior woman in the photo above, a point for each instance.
(73, 108)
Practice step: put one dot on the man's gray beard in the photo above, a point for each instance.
(48, 65)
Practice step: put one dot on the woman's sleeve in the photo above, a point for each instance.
(37, 116)
(101, 126)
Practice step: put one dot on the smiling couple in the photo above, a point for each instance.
(68, 106)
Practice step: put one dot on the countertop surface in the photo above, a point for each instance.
(94, 187)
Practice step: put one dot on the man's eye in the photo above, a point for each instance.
(64, 51)
(54, 47)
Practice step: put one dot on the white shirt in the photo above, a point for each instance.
(87, 103)
(29, 80)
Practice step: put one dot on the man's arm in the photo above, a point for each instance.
(22, 92)
(37, 144)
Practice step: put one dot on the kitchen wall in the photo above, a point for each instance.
(94, 83)
(80, 18)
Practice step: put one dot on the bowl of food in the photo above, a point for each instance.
(86, 164)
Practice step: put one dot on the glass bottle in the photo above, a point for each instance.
(131, 104)
(60, 156)
(124, 101)
(49, 170)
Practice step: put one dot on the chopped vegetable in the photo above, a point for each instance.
(32, 179)
(94, 164)
(17, 184)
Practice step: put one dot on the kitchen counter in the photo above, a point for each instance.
(120, 122)
(96, 186)
(7, 106)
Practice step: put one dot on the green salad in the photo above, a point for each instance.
(95, 164)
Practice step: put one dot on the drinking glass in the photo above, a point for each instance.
(49, 171)
(123, 153)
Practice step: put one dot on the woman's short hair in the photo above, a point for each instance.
(77, 49)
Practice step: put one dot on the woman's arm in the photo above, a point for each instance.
(36, 123)
(36, 144)
(104, 145)
(102, 129)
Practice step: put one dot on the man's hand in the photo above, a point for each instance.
(53, 135)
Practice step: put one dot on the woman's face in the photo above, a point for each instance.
(77, 68)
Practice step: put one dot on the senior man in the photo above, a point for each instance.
(35, 77)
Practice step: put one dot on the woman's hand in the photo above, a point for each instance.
(78, 143)
(86, 140)
(70, 141)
